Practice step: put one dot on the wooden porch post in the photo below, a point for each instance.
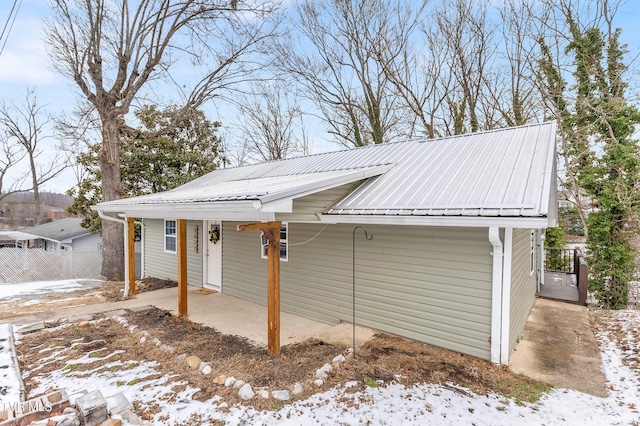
(131, 256)
(182, 268)
(271, 231)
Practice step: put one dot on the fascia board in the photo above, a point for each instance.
(181, 210)
(460, 221)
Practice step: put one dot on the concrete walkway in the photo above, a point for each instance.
(558, 347)
(225, 313)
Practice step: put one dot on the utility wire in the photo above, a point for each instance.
(4, 30)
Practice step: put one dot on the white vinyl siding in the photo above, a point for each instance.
(170, 236)
(88, 242)
(523, 284)
(160, 264)
(305, 208)
(429, 284)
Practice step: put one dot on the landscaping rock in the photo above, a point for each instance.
(31, 328)
(81, 318)
(167, 348)
(116, 313)
(112, 422)
(93, 408)
(321, 374)
(327, 368)
(140, 308)
(297, 389)
(339, 358)
(239, 383)
(281, 395)
(143, 339)
(246, 392)
(230, 381)
(220, 379)
(206, 369)
(318, 382)
(263, 392)
(193, 362)
(118, 403)
(69, 420)
(131, 417)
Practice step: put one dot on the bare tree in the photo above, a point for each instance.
(114, 51)
(271, 123)
(335, 61)
(27, 125)
(11, 154)
(468, 34)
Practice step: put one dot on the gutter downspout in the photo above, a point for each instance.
(126, 247)
(141, 223)
(496, 293)
(540, 254)
(506, 296)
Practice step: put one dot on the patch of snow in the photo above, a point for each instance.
(9, 376)
(389, 405)
(33, 288)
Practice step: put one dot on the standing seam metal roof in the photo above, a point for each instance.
(505, 172)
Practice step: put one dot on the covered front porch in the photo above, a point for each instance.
(238, 317)
(565, 276)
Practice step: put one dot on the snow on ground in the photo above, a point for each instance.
(391, 405)
(39, 288)
(9, 376)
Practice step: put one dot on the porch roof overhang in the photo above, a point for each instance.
(452, 221)
(245, 199)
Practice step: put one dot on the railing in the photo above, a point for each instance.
(560, 260)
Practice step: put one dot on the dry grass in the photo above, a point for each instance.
(382, 360)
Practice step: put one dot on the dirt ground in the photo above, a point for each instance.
(382, 360)
(108, 291)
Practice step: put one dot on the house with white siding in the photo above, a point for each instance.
(457, 225)
(63, 234)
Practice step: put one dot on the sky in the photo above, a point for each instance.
(24, 65)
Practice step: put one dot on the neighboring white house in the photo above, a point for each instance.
(457, 227)
(64, 234)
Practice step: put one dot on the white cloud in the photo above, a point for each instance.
(24, 60)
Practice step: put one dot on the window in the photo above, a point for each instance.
(284, 246)
(532, 257)
(170, 236)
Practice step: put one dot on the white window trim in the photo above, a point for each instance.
(532, 253)
(175, 236)
(283, 241)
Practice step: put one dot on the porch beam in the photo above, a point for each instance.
(271, 231)
(131, 256)
(259, 226)
(182, 268)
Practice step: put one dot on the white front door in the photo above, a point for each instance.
(214, 255)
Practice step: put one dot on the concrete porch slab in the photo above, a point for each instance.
(558, 347)
(227, 314)
(231, 315)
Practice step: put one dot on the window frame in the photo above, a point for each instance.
(284, 242)
(532, 253)
(168, 236)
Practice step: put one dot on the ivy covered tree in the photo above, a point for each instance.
(151, 163)
(597, 125)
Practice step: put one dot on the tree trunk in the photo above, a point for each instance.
(36, 187)
(112, 232)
